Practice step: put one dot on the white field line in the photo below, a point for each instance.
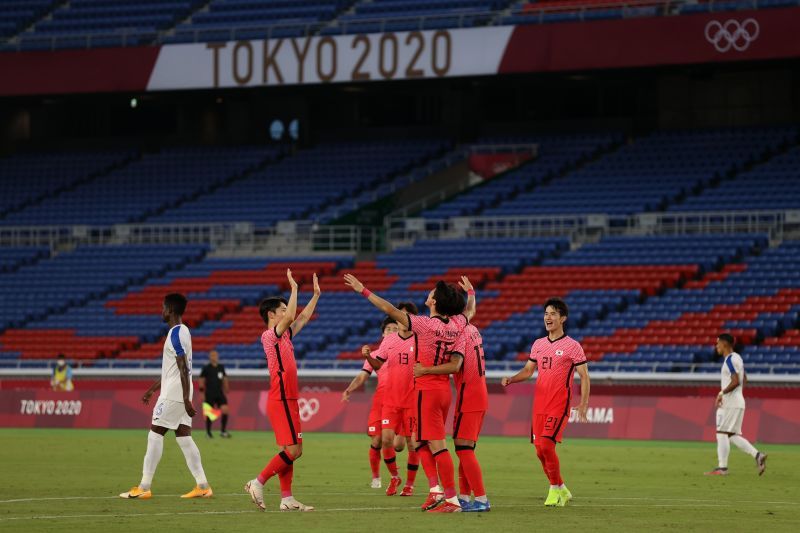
(684, 504)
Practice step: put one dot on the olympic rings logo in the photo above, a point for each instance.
(732, 34)
(308, 408)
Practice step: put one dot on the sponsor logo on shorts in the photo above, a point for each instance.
(300, 435)
(371, 428)
(159, 410)
(385, 421)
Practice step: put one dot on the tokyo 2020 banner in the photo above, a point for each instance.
(624, 417)
(626, 43)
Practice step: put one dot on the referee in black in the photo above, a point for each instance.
(214, 382)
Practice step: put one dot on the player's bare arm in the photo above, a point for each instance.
(523, 375)
(201, 384)
(469, 310)
(396, 314)
(291, 307)
(356, 383)
(225, 385)
(149, 393)
(308, 312)
(583, 407)
(730, 388)
(185, 385)
(366, 351)
(453, 366)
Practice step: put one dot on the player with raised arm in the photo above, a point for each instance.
(557, 357)
(396, 357)
(437, 335)
(730, 409)
(472, 402)
(388, 327)
(282, 408)
(173, 409)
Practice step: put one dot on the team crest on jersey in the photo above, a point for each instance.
(559, 352)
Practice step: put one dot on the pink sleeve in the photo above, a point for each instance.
(460, 345)
(419, 324)
(577, 354)
(268, 338)
(366, 367)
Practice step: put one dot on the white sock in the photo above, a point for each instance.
(562, 486)
(482, 499)
(155, 447)
(437, 488)
(744, 445)
(463, 497)
(453, 500)
(723, 449)
(192, 455)
(553, 487)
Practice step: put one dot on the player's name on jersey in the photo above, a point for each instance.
(594, 415)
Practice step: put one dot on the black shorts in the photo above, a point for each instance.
(216, 400)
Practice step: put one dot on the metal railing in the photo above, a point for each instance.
(401, 231)
(237, 237)
(343, 369)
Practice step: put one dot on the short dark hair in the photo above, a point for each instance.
(727, 337)
(268, 304)
(387, 320)
(176, 303)
(60, 356)
(449, 300)
(558, 304)
(408, 307)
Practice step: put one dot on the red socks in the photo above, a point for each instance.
(444, 464)
(413, 466)
(390, 458)
(277, 465)
(428, 464)
(285, 478)
(546, 451)
(375, 461)
(473, 477)
(463, 482)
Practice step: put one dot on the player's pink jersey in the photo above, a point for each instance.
(400, 356)
(471, 393)
(282, 366)
(556, 361)
(380, 390)
(437, 337)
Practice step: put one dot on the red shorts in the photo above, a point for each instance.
(284, 416)
(399, 419)
(432, 408)
(548, 425)
(468, 425)
(374, 419)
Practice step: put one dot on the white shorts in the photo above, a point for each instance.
(729, 420)
(170, 414)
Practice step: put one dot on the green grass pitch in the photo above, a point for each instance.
(67, 480)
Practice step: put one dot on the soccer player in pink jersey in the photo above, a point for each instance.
(472, 401)
(437, 334)
(388, 327)
(557, 357)
(396, 357)
(282, 408)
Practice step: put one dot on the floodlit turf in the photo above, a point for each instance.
(67, 480)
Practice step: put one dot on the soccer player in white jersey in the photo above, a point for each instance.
(730, 409)
(173, 410)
